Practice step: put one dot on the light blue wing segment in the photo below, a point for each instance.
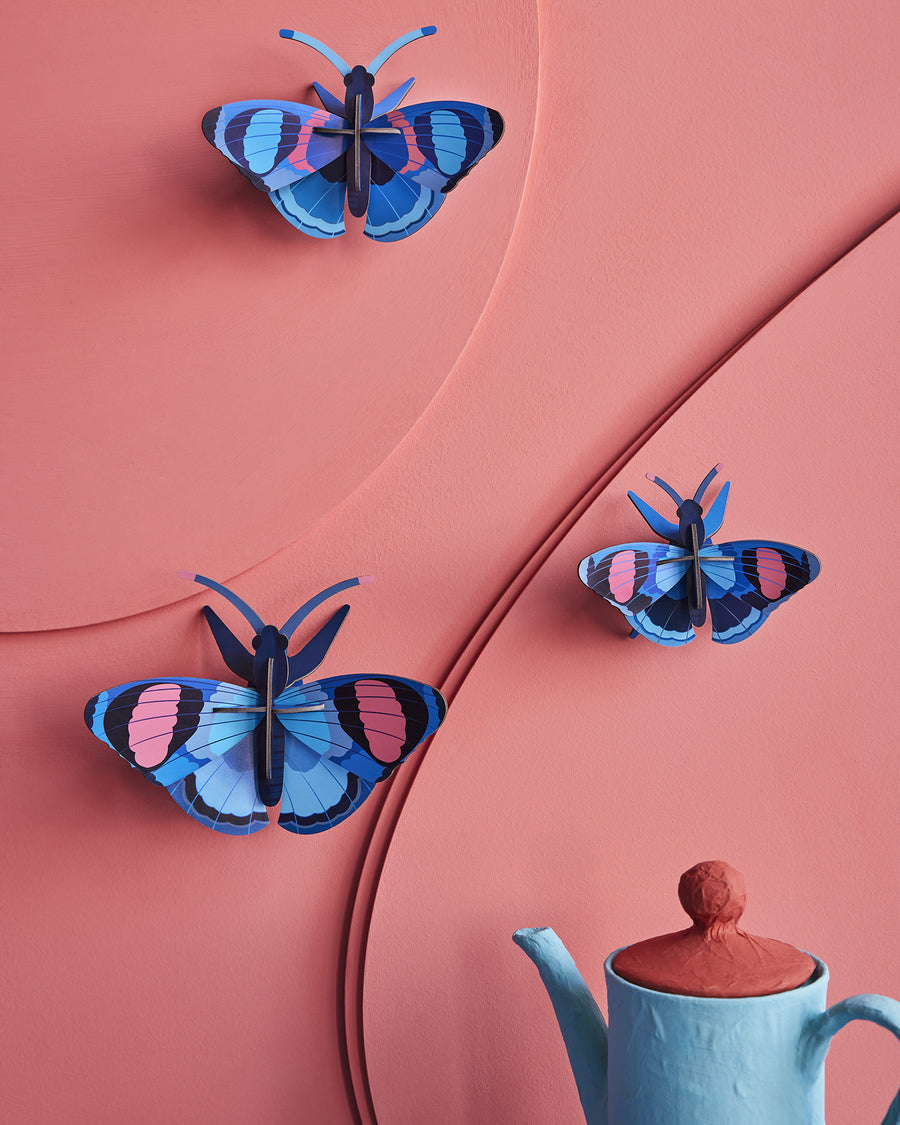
(747, 579)
(169, 728)
(222, 794)
(712, 521)
(656, 522)
(365, 724)
(399, 208)
(314, 205)
(438, 142)
(647, 583)
(392, 100)
(274, 143)
(356, 731)
(317, 792)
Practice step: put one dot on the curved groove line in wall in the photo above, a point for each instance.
(388, 815)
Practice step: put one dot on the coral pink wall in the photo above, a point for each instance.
(194, 384)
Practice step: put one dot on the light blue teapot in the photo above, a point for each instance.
(673, 1059)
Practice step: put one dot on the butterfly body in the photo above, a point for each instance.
(394, 167)
(226, 754)
(665, 590)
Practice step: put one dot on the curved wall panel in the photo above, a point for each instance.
(689, 171)
(580, 773)
(196, 382)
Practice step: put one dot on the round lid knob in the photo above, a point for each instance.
(714, 957)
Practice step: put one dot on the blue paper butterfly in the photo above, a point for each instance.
(663, 590)
(227, 753)
(394, 166)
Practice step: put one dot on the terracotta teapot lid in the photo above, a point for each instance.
(714, 957)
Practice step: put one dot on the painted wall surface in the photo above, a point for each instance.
(686, 249)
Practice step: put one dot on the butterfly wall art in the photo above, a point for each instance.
(663, 589)
(227, 754)
(394, 166)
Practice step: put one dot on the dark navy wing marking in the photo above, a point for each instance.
(437, 144)
(169, 728)
(647, 583)
(274, 143)
(747, 579)
(360, 730)
(315, 204)
(222, 794)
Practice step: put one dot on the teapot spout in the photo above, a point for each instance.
(580, 1020)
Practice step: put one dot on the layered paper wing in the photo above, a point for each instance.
(747, 579)
(222, 794)
(315, 204)
(357, 731)
(437, 144)
(168, 729)
(273, 143)
(647, 583)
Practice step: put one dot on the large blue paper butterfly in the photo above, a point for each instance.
(227, 753)
(663, 590)
(394, 166)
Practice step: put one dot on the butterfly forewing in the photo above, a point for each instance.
(747, 579)
(169, 728)
(274, 143)
(647, 583)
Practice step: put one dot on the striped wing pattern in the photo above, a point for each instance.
(745, 581)
(352, 732)
(647, 583)
(362, 729)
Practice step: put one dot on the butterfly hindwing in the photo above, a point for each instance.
(746, 580)
(647, 583)
(315, 204)
(222, 794)
(167, 729)
(317, 793)
(357, 731)
(398, 206)
(274, 143)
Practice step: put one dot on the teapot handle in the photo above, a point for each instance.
(819, 1032)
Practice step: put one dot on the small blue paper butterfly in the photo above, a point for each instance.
(394, 166)
(226, 754)
(663, 590)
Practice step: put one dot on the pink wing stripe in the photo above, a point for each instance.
(621, 576)
(152, 723)
(298, 157)
(772, 574)
(387, 741)
(416, 157)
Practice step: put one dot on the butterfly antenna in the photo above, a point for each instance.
(378, 62)
(294, 620)
(704, 484)
(666, 488)
(255, 620)
(333, 57)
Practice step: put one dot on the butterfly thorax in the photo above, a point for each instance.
(270, 662)
(359, 85)
(270, 677)
(690, 524)
(693, 534)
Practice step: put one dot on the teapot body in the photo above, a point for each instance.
(697, 1060)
